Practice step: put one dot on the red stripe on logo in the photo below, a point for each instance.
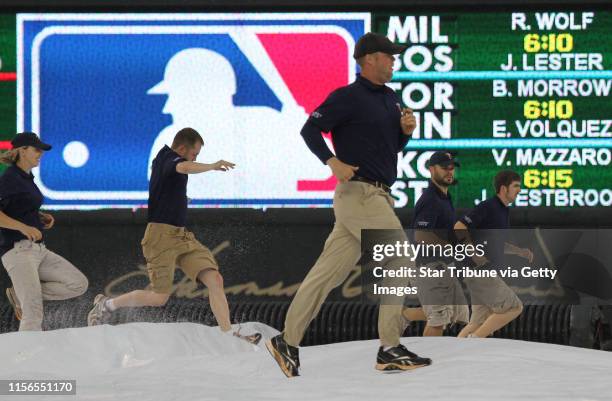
(8, 76)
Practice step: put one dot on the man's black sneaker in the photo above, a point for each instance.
(285, 355)
(399, 358)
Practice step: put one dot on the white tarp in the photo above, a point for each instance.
(188, 361)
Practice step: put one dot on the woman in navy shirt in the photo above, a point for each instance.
(37, 273)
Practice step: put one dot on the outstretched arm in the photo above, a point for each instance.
(512, 249)
(187, 167)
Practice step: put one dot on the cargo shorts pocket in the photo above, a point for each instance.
(150, 245)
(161, 277)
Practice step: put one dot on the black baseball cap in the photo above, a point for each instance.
(374, 42)
(442, 158)
(29, 139)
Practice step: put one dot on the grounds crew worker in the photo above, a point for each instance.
(368, 128)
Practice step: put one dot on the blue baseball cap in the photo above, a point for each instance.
(442, 158)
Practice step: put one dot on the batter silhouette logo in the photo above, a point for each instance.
(108, 91)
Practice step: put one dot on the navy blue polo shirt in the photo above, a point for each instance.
(167, 190)
(488, 214)
(21, 200)
(484, 221)
(364, 121)
(434, 210)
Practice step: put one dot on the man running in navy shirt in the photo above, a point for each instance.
(167, 243)
(442, 299)
(500, 305)
(368, 128)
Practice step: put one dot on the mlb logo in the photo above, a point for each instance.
(108, 91)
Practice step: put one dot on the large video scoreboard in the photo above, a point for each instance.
(521, 90)
(528, 91)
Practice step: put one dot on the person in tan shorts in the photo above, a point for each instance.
(442, 299)
(167, 243)
(494, 304)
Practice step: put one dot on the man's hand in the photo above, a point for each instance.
(222, 165)
(527, 254)
(31, 233)
(342, 171)
(408, 121)
(47, 220)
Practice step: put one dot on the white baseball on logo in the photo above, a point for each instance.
(75, 154)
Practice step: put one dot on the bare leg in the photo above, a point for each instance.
(433, 331)
(140, 298)
(212, 279)
(414, 314)
(467, 330)
(496, 321)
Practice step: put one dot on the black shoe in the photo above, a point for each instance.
(285, 355)
(399, 358)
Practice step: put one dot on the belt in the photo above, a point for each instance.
(377, 184)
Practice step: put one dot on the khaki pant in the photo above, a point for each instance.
(357, 206)
(39, 274)
(165, 246)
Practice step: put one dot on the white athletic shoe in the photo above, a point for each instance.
(98, 314)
